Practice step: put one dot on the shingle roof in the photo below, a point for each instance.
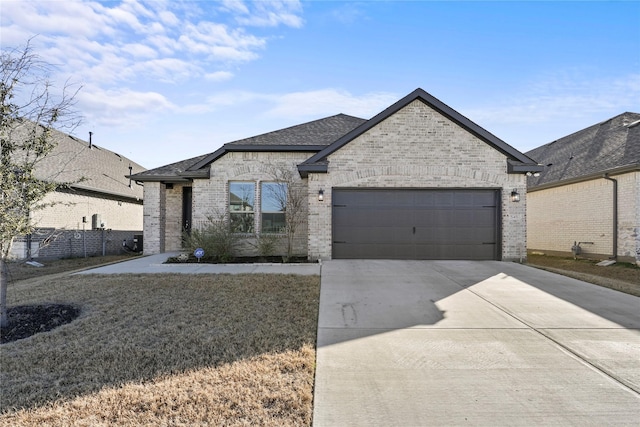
(605, 147)
(317, 132)
(172, 172)
(311, 136)
(72, 159)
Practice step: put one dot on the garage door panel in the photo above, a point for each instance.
(384, 217)
(365, 251)
(415, 224)
(376, 235)
(467, 252)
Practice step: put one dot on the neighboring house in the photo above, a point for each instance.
(417, 181)
(100, 210)
(588, 192)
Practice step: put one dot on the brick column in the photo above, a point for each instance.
(154, 217)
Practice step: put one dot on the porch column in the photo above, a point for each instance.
(153, 218)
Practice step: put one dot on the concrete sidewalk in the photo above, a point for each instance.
(422, 343)
(153, 264)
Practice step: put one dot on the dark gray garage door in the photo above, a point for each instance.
(416, 224)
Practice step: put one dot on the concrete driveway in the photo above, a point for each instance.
(421, 343)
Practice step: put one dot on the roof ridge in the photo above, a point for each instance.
(292, 127)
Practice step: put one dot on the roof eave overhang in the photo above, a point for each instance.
(520, 167)
(111, 194)
(589, 177)
(305, 169)
(174, 179)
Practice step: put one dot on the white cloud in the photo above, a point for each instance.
(268, 13)
(219, 76)
(84, 33)
(348, 13)
(122, 107)
(562, 96)
(168, 18)
(235, 6)
(119, 51)
(329, 102)
(166, 70)
(219, 43)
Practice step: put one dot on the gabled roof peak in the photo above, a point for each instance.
(516, 158)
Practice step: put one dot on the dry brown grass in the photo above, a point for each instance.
(166, 350)
(623, 277)
(21, 271)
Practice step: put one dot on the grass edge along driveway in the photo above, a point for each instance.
(166, 349)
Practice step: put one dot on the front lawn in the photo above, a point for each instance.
(623, 277)
(165, 350)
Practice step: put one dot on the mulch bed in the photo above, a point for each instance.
(237, 260)
(28, 320)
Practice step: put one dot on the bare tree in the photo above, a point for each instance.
(29, 112)
(291, 197)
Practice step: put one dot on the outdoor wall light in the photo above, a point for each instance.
(320, 195)
(515, 197)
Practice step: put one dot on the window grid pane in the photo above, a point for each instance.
(273, 204)
(241, 207)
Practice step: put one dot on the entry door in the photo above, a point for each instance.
(416, 224)
(187, 209)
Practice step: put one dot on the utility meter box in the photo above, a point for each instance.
(96, 221)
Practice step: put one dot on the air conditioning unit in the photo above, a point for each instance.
(96, 222)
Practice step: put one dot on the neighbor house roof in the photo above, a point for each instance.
(88, 167)
(517, 162)
(612, 146)
(307, 137)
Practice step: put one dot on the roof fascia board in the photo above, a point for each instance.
(208, 159)
(592, 176)
(436, 104)
(160, 178)
(255, 148)
(518, 167)
(304, 169)
(111, 194)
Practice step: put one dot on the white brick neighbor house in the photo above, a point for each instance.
(588, 192)
(109, 203)
(416, 181)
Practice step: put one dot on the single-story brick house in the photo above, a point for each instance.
(416, 181)
(588, 192)
(95, 214)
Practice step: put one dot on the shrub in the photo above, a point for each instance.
(266, 244)
(215, 237)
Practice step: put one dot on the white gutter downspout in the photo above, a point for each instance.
(615, 215)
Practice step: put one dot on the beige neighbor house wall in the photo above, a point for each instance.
(57, 233)
(417, 147)
(70, 207)
(583, 212)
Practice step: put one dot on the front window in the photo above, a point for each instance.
(273, 205)
(241, 206)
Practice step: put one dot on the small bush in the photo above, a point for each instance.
(215, 237)
(266, 244)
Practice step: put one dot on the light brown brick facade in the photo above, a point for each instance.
(418, 143)
(417, 148)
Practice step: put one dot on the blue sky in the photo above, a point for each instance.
(164, 81)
